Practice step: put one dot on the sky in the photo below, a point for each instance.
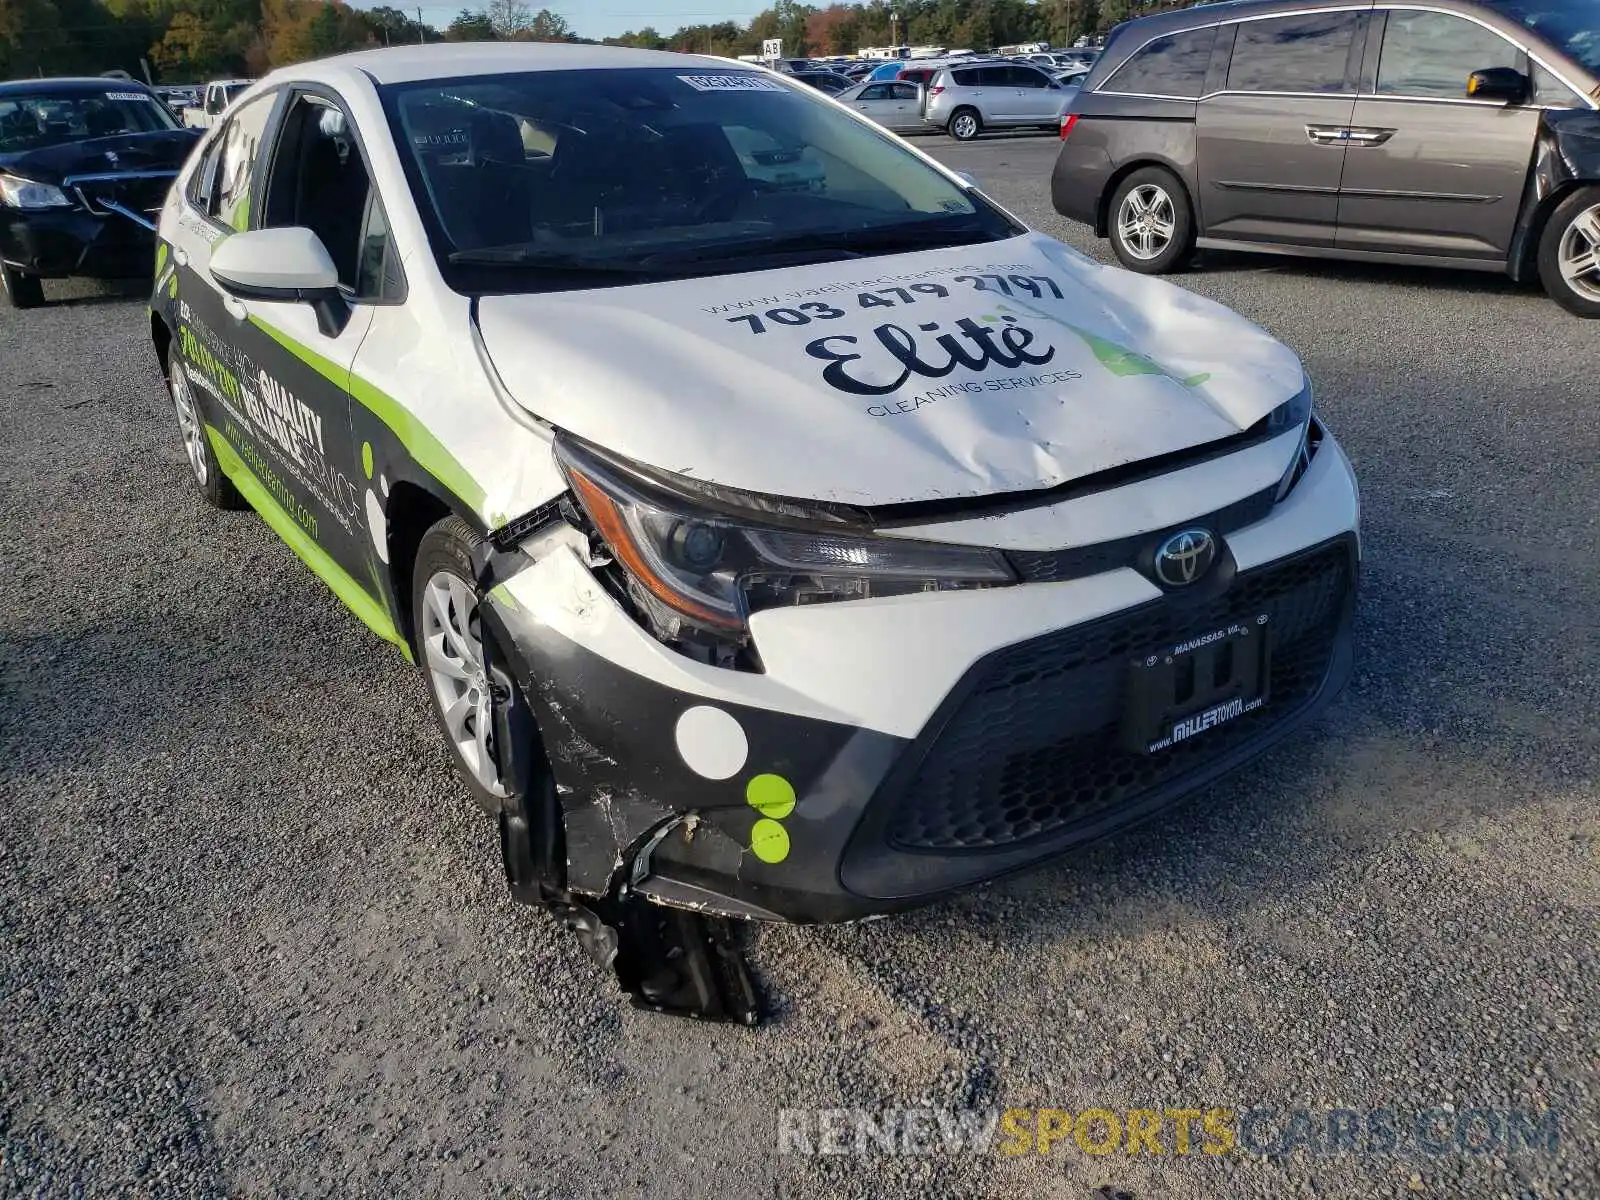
(607, 18)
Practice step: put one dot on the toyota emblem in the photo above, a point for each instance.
(1185, 557)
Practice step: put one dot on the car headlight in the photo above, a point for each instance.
(707, 557)
(1291, 414)
(25, 193)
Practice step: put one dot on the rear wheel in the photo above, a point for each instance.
(1569, 253)
(449, 643)
(965, 124)
(22, 291)
(208, 477)
(1152, 231)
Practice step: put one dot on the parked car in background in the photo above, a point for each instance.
(966, 100)
(825, 81)
(219, 94)
(84, 166)
(894, 105)
(1463, 134)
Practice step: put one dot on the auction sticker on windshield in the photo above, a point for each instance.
(747, 82)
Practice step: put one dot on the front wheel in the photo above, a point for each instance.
(966, 124)
(449, 642)
(1569, 253)
(22, 291)
(1152, 231)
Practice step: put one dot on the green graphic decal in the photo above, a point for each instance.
(771, 796)
(366, 458)
(419, 442)
(1118, 359)
(769, 841)
(161, 256)
(290, 528)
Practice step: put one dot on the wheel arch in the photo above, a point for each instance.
(161, 339)
(1102, 208)
(410, 510)
(1523, 261)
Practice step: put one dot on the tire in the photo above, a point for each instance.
(965, 124)
(22, 291)
(1569, 253)
(449, 652)
(1151, 225)
(207, 474)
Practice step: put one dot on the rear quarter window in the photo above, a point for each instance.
(1172, 65)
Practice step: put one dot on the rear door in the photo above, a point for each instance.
(278, 380)
(1430, 170)
(907, 106)
(988, 89)
(1037, 97)
(1271, 142)
(874, 101)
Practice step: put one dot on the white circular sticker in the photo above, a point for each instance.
(711, 742)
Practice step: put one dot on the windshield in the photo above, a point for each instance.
(660, 170)
(1572, 26)
(35, 121)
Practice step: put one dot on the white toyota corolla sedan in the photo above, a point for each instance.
(771, 553)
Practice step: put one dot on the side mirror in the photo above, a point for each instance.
(282, 266)
(1498, 83)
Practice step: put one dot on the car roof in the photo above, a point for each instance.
(67, 83)
(414, 64)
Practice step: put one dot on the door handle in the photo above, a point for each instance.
(1348, 135)
(1369, 137)
(180, 256)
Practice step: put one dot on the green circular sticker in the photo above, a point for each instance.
(366, 458)
(771, 796)
(769, 841)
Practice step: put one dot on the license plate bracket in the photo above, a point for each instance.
(1187, 688)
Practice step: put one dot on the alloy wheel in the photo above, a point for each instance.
(1147, 221)
(194, 435)
(453, 652)
(965, 126)
(1579, 254)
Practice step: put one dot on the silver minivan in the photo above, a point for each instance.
(966, 100)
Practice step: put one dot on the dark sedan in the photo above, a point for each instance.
(84, 167)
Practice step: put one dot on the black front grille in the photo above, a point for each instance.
(142, 194)
(1032, 746)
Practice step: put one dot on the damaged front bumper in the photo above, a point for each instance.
(897, 749)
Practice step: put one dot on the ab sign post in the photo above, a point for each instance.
(771, 51)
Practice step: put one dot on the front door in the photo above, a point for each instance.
(1271, 142)
(1429, 170)
(273, 388)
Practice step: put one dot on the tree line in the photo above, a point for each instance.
(187, 41)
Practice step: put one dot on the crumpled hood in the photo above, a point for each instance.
(942, 374)
(159, 150)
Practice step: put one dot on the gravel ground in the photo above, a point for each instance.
(256, 940)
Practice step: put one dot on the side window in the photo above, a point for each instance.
(1174, 65)
(378, 274)
(878, 91)
(993, 77)
(241, 145)
(319, 181)
(203, 183)
(1431, 54)
(903, 91)
(1027, 77)
(1550, 92)
(1293, 54)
